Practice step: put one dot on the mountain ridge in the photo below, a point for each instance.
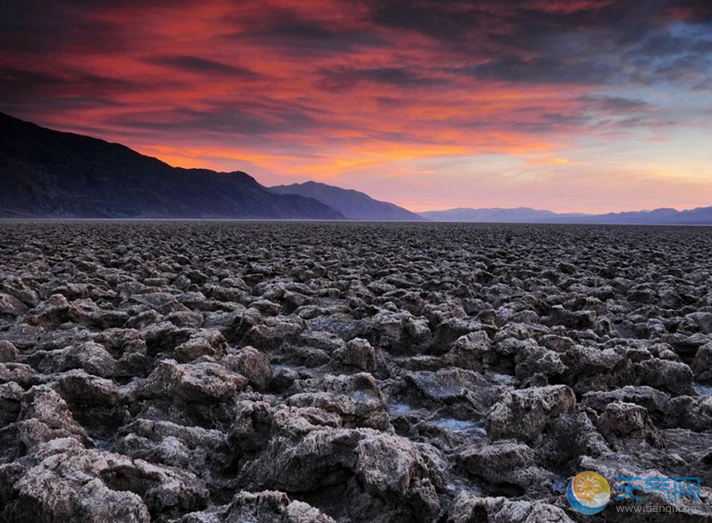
(660, 216)
(53, 174)
(353, 204)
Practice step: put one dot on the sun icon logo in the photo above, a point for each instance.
(588, 493)
(587, 485)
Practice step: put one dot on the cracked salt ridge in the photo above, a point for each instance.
(702, 390)
(284, 366)
(450, 424)
(504, 379)
(100, 444)
(461, 484)
(403, 409)
(460, 426)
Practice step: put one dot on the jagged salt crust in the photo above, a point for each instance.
(319, 372)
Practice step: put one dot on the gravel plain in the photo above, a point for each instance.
(223, 372)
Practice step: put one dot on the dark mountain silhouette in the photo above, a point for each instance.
(664, 216)
(354, 205)
(45, 173)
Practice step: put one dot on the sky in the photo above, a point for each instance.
(578, 105)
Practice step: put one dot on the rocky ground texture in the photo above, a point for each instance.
(322, 372)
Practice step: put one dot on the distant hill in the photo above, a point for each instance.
(494, 215)
(352, 204)
(45, 173)
(664, 216)
(699, 216)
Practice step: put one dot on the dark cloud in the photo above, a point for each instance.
(288, 25)
(615, 104)
(696, 11)
(195, 64)
(617, 113)
(233, 118)
(35, 29)
(458, 21)
(26, 81)
(294, 32)
(540, 69)
(557, 41)
(445, 19)
(17, 81)
(345, 78)
(530, 119)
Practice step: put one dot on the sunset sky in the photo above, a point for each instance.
(579, 105)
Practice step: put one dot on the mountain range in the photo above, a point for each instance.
(354, 205)
(663, 216)
(52, 174)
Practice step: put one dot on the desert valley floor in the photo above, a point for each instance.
(222, 372)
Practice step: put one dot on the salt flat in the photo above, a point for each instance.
(354, 372)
